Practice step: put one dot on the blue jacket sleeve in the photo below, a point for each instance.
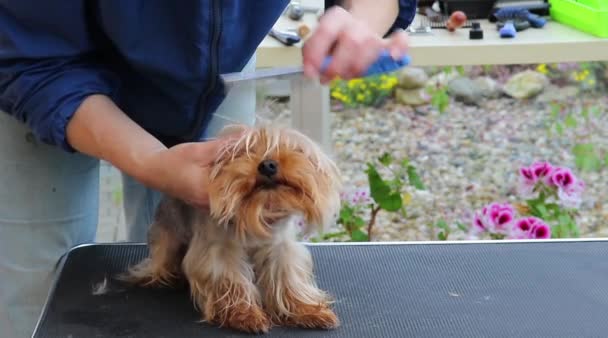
(48, 65)
(407, 12)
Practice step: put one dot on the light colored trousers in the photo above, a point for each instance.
(49, 203)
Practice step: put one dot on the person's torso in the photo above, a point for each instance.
(169, 55)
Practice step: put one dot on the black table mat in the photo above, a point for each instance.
(528, 289)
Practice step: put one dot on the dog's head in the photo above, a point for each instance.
(268, 174)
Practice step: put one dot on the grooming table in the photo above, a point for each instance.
(548, 288)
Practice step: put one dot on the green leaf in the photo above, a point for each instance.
(555, 109)
(405, 163)
(381, 191)
(585, 113)
(358, 222)
(331, 235)
(462, 227)
(563, 220)
(395, 183)
(574, 231)
(414, 179)
(442, 236)
(386, 159)
(346, 213)
(570, 121)
(559, 128)
(440, 100)
(563, 223)
(586, 158)
(542, 210)
(442, 224)
(359, 236)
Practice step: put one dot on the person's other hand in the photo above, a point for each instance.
(182, 171)
(353, 45)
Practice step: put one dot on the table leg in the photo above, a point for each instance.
(310, 111)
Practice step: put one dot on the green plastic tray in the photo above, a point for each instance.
(590, 16)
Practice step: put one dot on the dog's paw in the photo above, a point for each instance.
(311, 317)
(247, 318)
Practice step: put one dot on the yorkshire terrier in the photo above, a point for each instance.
(241, 258)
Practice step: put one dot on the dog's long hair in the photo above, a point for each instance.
(241, 259)
(307, 182)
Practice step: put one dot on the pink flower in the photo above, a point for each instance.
(530, 176)
(542, 169)
(359, 196)
(494, 218)
(561, 178)
(571, 197)
(527, 182)
(530, 228)
(540, 231)
(569, 187)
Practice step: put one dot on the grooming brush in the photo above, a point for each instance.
(519, 25)
(509, 14)
(507, 30)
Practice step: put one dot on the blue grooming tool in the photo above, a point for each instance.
(508, 14)
(384, 64)
(508, 30)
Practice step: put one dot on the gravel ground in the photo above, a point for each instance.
(467, 157)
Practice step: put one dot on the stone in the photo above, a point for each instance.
(412, 78)
(412, 97)
(441, 79)
(465, 90)
(525, 85)
(557, 94)
(488, 87)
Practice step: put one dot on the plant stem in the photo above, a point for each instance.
(403, 211)
(372, 221)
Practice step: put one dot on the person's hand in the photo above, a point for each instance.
(182, 171)
(353, 45)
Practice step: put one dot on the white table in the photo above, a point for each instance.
(553, 43)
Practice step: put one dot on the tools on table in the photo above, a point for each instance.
(457, 19)
(295, 10)
(476, 33)
(286, 37)
(508, 16)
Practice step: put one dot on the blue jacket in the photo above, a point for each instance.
(158, 60)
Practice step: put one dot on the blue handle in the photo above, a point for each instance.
(384, 64)
(536, 21)
(508, 30)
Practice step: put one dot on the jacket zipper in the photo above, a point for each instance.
(216, 30)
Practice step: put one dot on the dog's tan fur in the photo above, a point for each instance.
(241, 258)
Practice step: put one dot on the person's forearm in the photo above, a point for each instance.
(100, 129)
(378, 14)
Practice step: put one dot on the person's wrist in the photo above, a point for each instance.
(150, 169)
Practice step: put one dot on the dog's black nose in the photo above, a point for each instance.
(268, 168)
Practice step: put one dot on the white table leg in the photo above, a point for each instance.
(310, 111)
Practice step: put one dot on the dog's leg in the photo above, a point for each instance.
(221, 283)
(161, 268)
(167, 237)
(284, 274)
